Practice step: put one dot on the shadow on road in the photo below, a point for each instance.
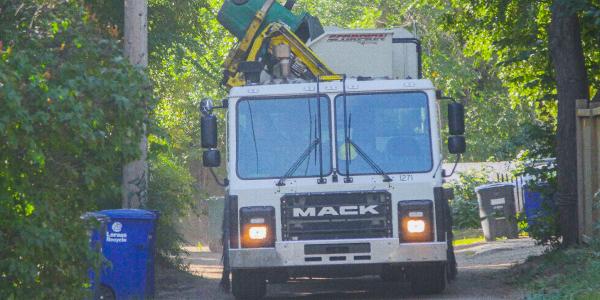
(484, 272)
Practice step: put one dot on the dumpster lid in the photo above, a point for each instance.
(494, 185)
(129, 214)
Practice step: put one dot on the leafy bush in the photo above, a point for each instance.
(562, 274)
(545, 228)
(69, 102)
(171, 192)
(465, 209)
(542, 179)
(571, 273)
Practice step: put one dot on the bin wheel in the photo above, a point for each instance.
(428, 278)
(106, 293)
(248, 284)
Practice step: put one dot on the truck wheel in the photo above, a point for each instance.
(248, 284)
(428, 278)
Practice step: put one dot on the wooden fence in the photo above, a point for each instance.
(588, 167)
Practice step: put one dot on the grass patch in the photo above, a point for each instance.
(468, 241)
(561, 274)
(460, 234)
(467, 236)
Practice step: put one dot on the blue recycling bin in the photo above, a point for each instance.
(536, 205)
(128, 245)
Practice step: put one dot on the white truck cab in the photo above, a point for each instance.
(346, 183)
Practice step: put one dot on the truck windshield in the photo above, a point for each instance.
(392, 129)
(273, 133)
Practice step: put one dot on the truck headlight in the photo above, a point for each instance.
(257, 226)
(257, 232)
(415, 220)
(415, 226)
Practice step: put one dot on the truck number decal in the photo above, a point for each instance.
(405, 177)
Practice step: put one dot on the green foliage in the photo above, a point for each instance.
(69, 102)
(513, 36)
(562, 274)
(171, 192)
(535, 165)
(465, 208)
(545, 229)
(185, 71)
(187, 46)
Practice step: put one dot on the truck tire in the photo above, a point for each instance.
(248, 284)
(428, 278)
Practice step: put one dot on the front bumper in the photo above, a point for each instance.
(382, 251)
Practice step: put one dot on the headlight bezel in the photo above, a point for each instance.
(255, 217)
(415, 211)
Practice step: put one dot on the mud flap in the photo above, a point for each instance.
(225, 282)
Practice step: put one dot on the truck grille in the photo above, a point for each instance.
(330, 216)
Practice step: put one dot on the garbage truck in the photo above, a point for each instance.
(333, 153)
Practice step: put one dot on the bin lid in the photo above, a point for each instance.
(494, 185)
(129, 214)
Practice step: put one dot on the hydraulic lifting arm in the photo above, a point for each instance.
(253, 48)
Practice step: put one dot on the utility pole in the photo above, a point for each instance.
(134, 189)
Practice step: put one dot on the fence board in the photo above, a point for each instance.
(588, 163)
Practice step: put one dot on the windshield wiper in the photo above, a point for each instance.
(349, 143)
(299, 161)
(374, 166)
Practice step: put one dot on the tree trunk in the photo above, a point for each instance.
(135, 173)
(571, 80)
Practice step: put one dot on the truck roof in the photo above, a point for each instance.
(352, 86)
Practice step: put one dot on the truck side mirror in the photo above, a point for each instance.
(457, 144)
(208, 130)
(211, 158)
(456, 118)
(456, 128)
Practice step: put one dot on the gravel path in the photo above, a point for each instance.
(482, 275)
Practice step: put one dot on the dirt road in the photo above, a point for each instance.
(482, 275)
